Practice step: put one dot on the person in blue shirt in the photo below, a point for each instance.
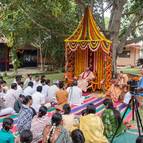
(6, 135)
(140, 89)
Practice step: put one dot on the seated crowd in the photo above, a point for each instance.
(30, 101)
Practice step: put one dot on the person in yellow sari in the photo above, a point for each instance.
(92, 126)
(84, 79)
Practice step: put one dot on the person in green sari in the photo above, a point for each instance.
(111, 119)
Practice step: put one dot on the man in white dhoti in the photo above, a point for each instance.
(75, 94)
(11, 96)
(84, 79)
(29, 90)
(38, 99)
(4, 110)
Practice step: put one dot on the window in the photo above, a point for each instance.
(125, 54)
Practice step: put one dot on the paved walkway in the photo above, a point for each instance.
(24, 71)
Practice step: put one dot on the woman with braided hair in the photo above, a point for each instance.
(55, 133)
(111, 119)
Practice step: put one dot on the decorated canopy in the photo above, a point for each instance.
(88, 47)
(88, 35)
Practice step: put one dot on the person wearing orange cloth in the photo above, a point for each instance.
(114, 91)
(61, 94)
(123, 78)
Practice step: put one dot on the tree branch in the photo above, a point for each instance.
(108, 6)
(115, 18)
(138, 26)
(41, 26)
(35, 22)
(135, 40)
(81, 4)
(129, 29)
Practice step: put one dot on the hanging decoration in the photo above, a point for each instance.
(89, 47)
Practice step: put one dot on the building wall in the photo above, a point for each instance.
(131, 60)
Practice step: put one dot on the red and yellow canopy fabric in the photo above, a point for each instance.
(88, 35)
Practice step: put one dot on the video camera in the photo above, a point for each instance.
(133, 86)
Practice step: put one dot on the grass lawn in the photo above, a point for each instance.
(60, 75)
(134, 71)
(54, 76)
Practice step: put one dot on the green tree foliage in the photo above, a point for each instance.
(44, 24)
(125, 23)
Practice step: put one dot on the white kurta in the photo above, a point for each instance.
(27, 80)
(19, 90)
(10, 98)
(38, 99)
(45, 89)
(28, 91)
(75, 95)
(36, 84)
(7, 111)
(52, 93)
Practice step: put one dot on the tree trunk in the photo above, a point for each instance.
(114, 27)
(131, 27)
(41, 59)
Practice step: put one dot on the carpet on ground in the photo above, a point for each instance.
(90, 98)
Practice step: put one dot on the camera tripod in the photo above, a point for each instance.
(133, 103)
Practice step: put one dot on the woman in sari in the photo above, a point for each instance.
(38, 123)
(55, 133)
(111, 119)
(70, 121)
(92, 126)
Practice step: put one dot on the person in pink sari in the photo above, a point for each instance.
(84, 79)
